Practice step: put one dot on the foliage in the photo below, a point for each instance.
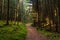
(13, 32)
(50, 35)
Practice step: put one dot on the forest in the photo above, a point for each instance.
(48, 14)
(29, 20)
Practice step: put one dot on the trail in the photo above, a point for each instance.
(33, 34)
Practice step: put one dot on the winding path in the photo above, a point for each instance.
(33, 34)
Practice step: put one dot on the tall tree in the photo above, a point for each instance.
(7, 19)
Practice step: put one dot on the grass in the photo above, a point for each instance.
(13, 32)
(50, 35)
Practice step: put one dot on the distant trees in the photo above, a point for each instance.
(48, 13)
(10, 10)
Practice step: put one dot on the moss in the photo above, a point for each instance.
(13, 32)
(50, 35)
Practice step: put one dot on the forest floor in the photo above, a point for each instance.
(33, 34)
(12, 32)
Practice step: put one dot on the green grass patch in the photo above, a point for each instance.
(50, 35)
(13, 32)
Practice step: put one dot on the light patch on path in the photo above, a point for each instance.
(33, 34)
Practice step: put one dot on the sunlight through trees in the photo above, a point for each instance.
(48, 13)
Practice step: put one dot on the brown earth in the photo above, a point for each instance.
(33, 34)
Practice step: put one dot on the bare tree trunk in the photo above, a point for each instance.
(7, 20)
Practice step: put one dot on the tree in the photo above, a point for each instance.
(7, 19)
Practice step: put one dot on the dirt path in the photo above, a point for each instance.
(33, 34)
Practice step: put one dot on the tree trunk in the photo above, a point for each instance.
(7, 19)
